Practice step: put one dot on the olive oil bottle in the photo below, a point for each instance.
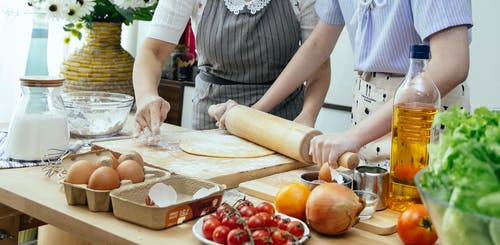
(415, 103)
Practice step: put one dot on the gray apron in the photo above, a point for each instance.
(241, 55)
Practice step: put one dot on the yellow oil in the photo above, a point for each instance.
(411, 129)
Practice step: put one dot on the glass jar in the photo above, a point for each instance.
(39, 125)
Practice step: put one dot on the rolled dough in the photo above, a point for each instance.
(217, 145)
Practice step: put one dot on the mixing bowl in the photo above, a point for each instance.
(96, 114)
(455, 225)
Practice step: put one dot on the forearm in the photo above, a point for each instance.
(310, 56)
(148, 67)
(315, 93)
(449, 65)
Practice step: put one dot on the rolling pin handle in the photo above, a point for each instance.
(349, 160)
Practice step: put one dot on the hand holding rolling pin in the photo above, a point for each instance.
(334, 148)
(218, 112)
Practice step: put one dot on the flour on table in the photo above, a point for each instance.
(216, 145)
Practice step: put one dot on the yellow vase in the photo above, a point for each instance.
(101, 64)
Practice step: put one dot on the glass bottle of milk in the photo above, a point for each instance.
(39, 124)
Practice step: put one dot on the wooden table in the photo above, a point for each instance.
(30, 192)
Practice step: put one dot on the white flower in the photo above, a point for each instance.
(55, 8)
(87, 6)
(73, 11)
(125, 4)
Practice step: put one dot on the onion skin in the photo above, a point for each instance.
(333, 209)
(324, 173)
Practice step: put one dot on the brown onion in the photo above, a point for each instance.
(333, 209)
(324, 173)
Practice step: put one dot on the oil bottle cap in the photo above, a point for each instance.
(419, 51)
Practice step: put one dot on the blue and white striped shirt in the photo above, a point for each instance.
(381, 31)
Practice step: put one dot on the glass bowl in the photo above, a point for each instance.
(96, 114)
(455, 225)
(311, 179)
(371, 201)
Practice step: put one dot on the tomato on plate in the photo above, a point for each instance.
(265, 207)
(280, 237)
(296, 228)
(237, 237)
(415, 226)
(209, 226)
(220, 234)
(262, 237)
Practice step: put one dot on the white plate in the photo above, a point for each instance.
(198, 233)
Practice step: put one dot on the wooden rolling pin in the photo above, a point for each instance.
(286, 137)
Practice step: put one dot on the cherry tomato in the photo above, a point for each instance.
(262, 237)
(247, 211)
(275, 220)
(220, 234)
(208, 227)
(283, 223)
(232, 221)
(237, 237)
(266, 217)
(243, 203)
(211, 216)
(296, 228)
(256, 222)
(223, 210)
(415, 226)
(280, 237)
(265, 207)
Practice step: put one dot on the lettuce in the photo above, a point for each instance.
(464, 170)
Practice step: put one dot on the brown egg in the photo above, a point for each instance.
(80, 171)
(324, 173)
(131, 170)
(133, 155)
(104, 178)
(109, 161)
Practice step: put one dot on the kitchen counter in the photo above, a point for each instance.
(29, 191)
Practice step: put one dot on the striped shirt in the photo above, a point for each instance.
(381, 31)
(171, 17)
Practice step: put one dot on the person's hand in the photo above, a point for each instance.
(329, 147)
(218, 112)
(151, 112)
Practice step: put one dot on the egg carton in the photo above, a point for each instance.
(99, 200)
(130, 204)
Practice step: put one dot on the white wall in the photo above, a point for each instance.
(485, 60)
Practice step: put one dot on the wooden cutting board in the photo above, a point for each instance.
(229, 171)
(383, 222)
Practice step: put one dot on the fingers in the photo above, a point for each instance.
(151, 115)
(324, 149)
(219, 112)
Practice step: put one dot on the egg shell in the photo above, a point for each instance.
(132, 155)
(80, 171)
(131, 170)
(104, 178)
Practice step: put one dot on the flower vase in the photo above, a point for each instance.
(101, 64)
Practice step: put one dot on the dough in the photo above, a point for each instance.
(217, 145)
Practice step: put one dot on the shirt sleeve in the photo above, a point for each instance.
(170, 19)
(329, 11)
(308, 18)
(431, 16)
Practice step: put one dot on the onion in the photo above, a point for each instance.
(333, 209)
(324, 173)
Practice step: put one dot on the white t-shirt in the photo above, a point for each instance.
(171, 17)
